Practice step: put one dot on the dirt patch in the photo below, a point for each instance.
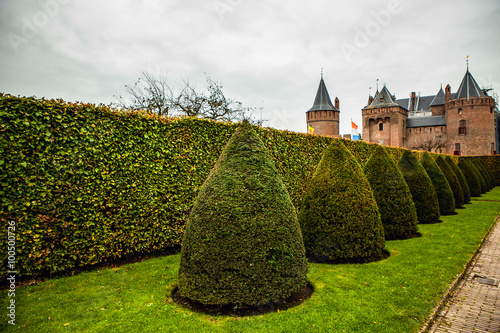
(248, 310)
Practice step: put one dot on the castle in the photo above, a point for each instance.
(462, 123)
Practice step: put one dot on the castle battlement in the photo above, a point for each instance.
(473, 101)
(383, 110)
(322, 115)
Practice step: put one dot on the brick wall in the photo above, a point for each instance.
(324, 122)
(478, 134)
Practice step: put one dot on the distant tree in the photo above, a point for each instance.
(431, 143)
(152, 93)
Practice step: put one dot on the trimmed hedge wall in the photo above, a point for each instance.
(87, 184)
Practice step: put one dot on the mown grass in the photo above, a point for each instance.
(393, 295)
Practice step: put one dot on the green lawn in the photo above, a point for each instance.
(394, 295)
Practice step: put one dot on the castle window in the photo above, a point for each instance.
(457, 149)
(381, 126)
(491, 110)
(459, 110)
(461, 127)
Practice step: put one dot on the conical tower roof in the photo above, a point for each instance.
(439, 99)
(469, 87)
(383, 99)
(322, 101)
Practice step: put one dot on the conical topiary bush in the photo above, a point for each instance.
(481, 172)
(443, 189)
(242, 244)
(471, 177)
(339, 217)
(421, 188)
(482, 182)
(486, 174)
(452, 179)
(460, 177)
(394, 200)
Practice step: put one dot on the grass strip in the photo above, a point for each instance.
(393, 295)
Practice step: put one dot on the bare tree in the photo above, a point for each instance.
(153, 94)
(431, 143)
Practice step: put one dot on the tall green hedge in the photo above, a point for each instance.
(421, 188)
(339, 218)
(452, 179)
(87, 184)
(461, 179)
(394, 200)
(242, 244)
(471, 177)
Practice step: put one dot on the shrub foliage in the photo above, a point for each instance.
(482, 181)
(87, 184)
(452, 179)
(486, 174)
(394, 200)
(421, 188)
(242, 243)
(460, 176)
(471, 177)
(443, 190)
(339, 217)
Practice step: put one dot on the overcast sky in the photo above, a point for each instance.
(264, 52)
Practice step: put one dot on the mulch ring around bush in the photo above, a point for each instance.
(241, 311)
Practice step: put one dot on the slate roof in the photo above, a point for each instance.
(439, 99)
(424, 103)
(383, 99)
(413, 122)
(322, 101)
(469, 87)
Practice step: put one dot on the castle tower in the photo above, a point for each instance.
(384, 120)
(323, 117)
(470, 119)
